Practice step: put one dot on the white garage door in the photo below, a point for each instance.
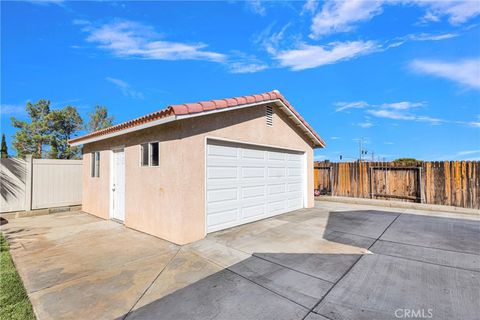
(247, 183)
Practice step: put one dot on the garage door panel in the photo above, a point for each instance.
(221, 151)
(256, 211)
(274, 155)
(294, 204)
(222, 218)
(222, 172)
(276, 189)
(293, 157)
(257, 191)
(225, 206)
(276, 172)
(294, 195)
(294, 172)
(253, 172)
(246, 183)
(274, 207)
(294, 187)
(222, 195)
(249, 154)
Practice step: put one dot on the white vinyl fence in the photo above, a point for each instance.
(39, 183)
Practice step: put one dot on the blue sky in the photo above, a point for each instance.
(404, 75)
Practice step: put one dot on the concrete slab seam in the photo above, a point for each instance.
(286, 267)
(150, 285)
(351, 267)
(420, 246)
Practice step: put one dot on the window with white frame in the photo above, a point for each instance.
(95, 164)
(150, 154)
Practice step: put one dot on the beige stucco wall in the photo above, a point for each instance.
(169, 201)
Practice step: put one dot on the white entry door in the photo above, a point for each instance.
(247, 183)
(118, 187)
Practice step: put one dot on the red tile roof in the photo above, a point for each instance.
(198, 107)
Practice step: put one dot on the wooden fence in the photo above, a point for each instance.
(453, 183)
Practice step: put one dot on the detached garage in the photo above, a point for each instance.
(190, 169)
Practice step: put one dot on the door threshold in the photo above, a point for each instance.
(117, 220)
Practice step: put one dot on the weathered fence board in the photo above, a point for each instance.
(454, 183)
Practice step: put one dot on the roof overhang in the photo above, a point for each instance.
(150, 124)
(278, 100)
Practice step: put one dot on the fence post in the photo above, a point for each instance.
(330, 171)
(29, 183)
(371, 182)
(420, 183)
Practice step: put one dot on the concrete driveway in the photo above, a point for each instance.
(336, 261)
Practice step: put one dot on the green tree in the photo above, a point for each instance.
(32, 137)
(407, 162)
(4, 148)
(65, 123)
(47, 131)
(99, 119)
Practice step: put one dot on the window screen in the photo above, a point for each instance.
(97, 164)
(144, 152)
(150, 154)
(154, 154)
(92, 166)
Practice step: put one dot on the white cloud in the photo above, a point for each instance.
(431, 37)
(335, 138)
(473, 155)
(244, 63)
(397, 114)
(396, 111)
(343, 16)
(246, 67)
(256, 6)
(340, 16)
(342, 106)
(126, 88)
(365, 125)
(312, 56)
(465, 72)
(47, 2)
(310, 6)
(475, 124)
(456, 11)
(12, 109)
(271, 40)
(467, 152)
(135, 40)
(403, 105)
(397, 42)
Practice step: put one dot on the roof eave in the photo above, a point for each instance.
(275, 97)
(79, 141)
(318, 143)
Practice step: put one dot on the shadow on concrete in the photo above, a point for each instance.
(292, 285)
